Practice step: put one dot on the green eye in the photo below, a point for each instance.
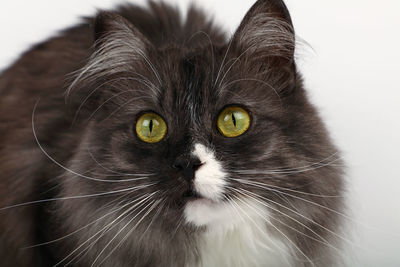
(151, 128)
(233, 121)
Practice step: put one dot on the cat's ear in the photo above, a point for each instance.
(120, 50)
(266, 34)
(110, 27)
(117, 40)
(118, 47)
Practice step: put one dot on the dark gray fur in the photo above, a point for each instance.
(200, 71)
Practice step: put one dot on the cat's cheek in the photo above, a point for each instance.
(210, 179)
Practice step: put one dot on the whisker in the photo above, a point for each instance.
(62, 166)
(234, 62)
(319, 205)
(211, 47)
(145, 82)
(109, 226)
(291, 170)
(281, 250)
(232, 203)
(286, 237)
(118, 173)
(280, 35)
(120, 107)
(111, 98)
(81, 245)
(334, 155)
(146, 59)
(254, 80)
(306, 200)
(106, 230)
(256, 198)
(282, 188)
(80, 229)
(236, 208)
(154, 204)
(223, 62)
(153, 218)
(135, 188)
(179, 223)
(152, 67)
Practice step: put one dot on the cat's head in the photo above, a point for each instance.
(204, 134)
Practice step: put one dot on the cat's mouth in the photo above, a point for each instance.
(190, 195)
(193, 197)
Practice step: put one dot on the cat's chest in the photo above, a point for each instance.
(249, 244)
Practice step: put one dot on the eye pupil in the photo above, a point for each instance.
(234, 119)
(151, 128)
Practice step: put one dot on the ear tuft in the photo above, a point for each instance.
(109, 26)
(117, 43)
(119, 48)
(267, 31)
(104, 23)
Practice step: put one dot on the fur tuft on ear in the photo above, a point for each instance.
(266, 32)
(109, 26)
(117, 44)
(119, 48)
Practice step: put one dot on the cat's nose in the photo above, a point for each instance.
(188, 166)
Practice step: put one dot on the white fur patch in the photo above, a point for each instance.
(240, 238)
(209, 179)
(209, 182)
(236, 232)
(204, 212)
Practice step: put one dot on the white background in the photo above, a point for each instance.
(352, 76)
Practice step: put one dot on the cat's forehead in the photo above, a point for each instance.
(193, 86)
(206, 80)
(186, 75)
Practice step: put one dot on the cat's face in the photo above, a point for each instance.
(195, 175)
(194, 166)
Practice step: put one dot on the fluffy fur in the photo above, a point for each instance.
(79, 188)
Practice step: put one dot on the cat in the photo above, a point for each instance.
(137, 138)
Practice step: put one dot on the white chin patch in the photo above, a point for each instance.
(209, 183)
(204, 212)
(236, 234)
